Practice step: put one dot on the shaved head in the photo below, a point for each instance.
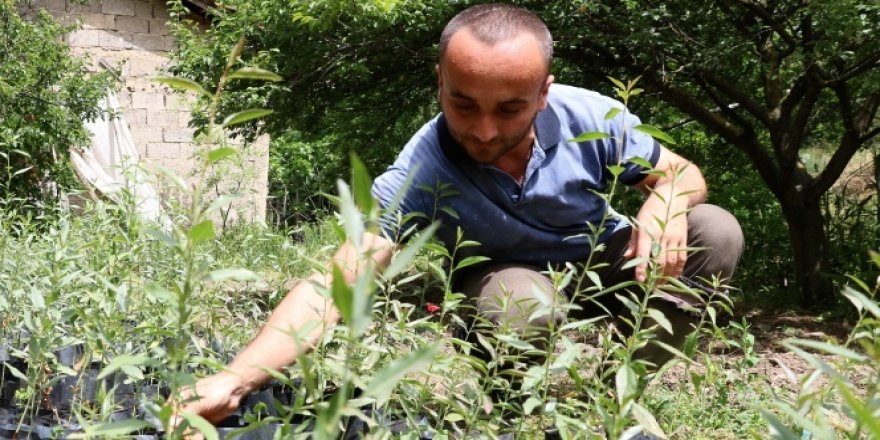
(495, 23)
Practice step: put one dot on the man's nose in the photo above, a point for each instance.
(484, 128)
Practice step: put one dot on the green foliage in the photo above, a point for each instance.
(362, 75)
(840, 396)
(45, 95)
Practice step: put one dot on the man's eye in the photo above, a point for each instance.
(464, 107)
(510, 111)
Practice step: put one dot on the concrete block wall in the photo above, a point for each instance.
(133, 37)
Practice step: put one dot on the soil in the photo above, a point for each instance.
(782, 369)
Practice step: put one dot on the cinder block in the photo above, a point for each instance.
(49, 5)
(140, 65)
(183, 118)
(158, 27)
(150, 42)
(177, 135)
(118, 7)
(135, 116)
(162, 119)
(180, 101)
(98, 38)
(143, 9)
(62, 17)
(147, 100)
(94, 20)
(163, 150)
(134, 25)
(86, 38)
(94, 7)
(160, 11)
(144, 134)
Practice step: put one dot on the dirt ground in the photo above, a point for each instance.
(781, 368)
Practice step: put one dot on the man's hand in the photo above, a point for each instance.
(214, 398)
(661, 232)
(664, 244)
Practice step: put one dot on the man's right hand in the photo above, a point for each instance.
(214, 397)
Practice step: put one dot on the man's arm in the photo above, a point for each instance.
(669, 196)
(303, 308)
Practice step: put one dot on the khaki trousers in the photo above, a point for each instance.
(509, 294)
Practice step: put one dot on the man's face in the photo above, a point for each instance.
(490, 95)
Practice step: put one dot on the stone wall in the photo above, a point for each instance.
(132, 36)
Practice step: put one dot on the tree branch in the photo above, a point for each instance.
(871, 61)
(737, 94)
(774, 24)
(741, 136)
(849, 144)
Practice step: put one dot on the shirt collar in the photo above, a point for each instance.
(546, 128)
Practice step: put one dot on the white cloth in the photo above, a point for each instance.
(111, 165)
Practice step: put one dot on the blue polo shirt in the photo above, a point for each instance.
(546, 219)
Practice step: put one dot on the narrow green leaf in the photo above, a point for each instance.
(830, 349)
(642, 162)
(201, 232)
(361, 184)
(236, 274)
(114, 429)
(617, 83)
(122, 360)
(661, 320)
(254, 73)
(625, 383)
(235, 53)
(218, 154)
(205, 427)
(245, 115)
(403, 258)
(655, 133)
(222, 201)
(352, 222)
(612, 113)
(530, 405)
(385, 380)
(342, 294)
(16, 372)
(647, 420)
(590, 136)
(159, 293)
(616, 170)
(861, 301)
(515, 342)
(470, 261)
(183, 84)
(778, 430)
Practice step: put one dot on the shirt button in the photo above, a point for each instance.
(515, 197)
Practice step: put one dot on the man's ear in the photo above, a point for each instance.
(545, 90)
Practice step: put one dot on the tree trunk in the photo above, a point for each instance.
(877, 183)
(806, 229)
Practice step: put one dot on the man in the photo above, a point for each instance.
(524, 191)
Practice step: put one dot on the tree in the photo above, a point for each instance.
(44, 98)
(768, 76)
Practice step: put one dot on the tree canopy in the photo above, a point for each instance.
(768, 77)
(45, 94)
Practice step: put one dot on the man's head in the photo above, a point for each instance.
(493, 78)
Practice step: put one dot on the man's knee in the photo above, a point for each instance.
(515, 297)
(720, 235)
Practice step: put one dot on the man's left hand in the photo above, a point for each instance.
(660, 235)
